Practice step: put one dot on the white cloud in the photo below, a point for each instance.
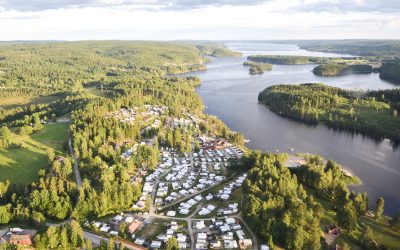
(268, 20)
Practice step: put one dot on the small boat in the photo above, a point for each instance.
(292, 149)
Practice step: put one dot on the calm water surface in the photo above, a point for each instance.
(230, 93)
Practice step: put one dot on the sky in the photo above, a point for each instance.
(198, 19)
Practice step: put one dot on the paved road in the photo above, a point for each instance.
(76, 169)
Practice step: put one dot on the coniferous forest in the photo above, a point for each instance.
(370, 113)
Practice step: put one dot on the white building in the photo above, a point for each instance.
(171, 213)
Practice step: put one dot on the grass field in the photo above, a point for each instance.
(153, 229)
(21, 165)
(52, 135)
(95, 92)
(17, 101)
(383, 233)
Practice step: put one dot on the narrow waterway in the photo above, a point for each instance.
(229, 92)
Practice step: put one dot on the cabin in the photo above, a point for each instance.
(134, 226)
(20, 239)
(155, 244)
(264, 247)
(245, 243)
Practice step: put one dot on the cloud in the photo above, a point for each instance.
(19, 17)
(383, 6)
(38, 5)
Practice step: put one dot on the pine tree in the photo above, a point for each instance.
(172, 244)
(379, 207)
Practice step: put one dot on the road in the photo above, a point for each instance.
(96, 239)
(253, 236)
(76, 167)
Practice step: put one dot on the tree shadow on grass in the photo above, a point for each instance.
(20, 166)
(381, 229)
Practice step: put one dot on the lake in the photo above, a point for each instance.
(230, 92)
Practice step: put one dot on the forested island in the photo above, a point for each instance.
(286, 60)
(257, 68)
(379, 52)
(334, 66)
(391, 71)
(336, 69)
(336, 107)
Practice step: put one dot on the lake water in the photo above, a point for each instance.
(230, 92)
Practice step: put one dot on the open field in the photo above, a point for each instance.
(21, 165)
(95, 92)
(150, 231)
(16, 101)
(52, 135)
(383, 233)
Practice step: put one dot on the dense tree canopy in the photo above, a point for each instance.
(336, 69)
(390, 71)
(276, 207)
(279, 59)
(257, 68)
(336, 107)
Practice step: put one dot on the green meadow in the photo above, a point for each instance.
(52, 135)
(21, 165)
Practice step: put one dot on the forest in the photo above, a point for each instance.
(257, 68)
(387, 66)
(318, 103)
(336, 69)
(216, 50)
(287, 60)
(125, 74)
(357, 47)
(71, 65)
(293, 208)
(390, 71)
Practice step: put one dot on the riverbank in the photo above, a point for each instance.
(299, 159)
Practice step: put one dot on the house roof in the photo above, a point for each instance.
(22, 239)
(133, 226)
